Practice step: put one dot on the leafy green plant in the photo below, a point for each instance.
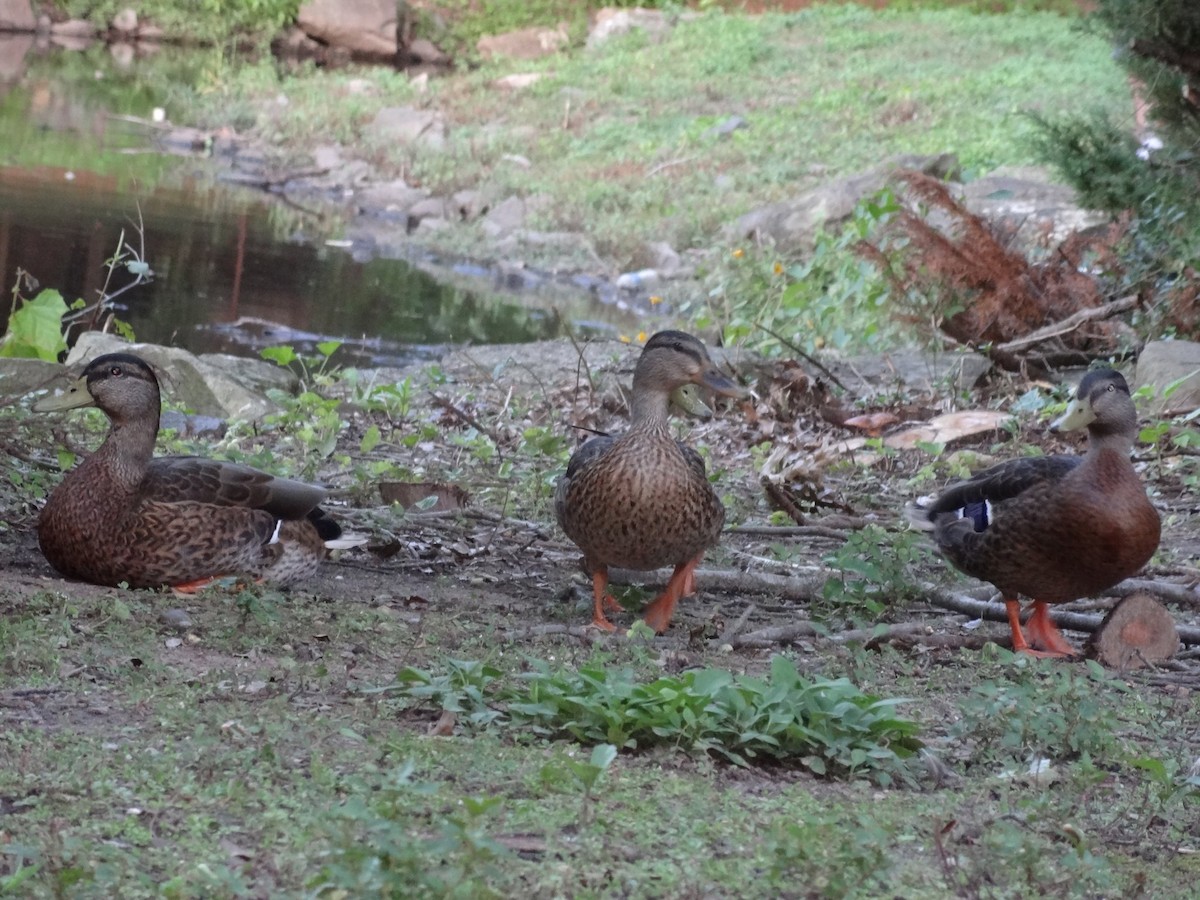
(585, 774)
(1045, 711)
(382, 849)
(827, 726)
(877, 571)
(463, 688)
(831, 298)
(35, 327)
(830, 857)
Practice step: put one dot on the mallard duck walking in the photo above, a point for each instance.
(642, 500)
(122, 516)
(1054, 528)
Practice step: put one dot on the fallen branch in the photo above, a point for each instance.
(781, 531)
(583, 632)
(1070, 323)
(733, 630)
(784, 587)
(1167, 590)
(996, 612)
(779, 634)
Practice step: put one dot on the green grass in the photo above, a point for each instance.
(235, 766)
(619, 138)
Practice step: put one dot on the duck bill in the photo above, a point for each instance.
(721, 384)
(689, 400)
(75, 396)
(1079, 414)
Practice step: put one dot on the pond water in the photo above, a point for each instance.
(234, 269)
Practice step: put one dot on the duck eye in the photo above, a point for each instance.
(115, 371)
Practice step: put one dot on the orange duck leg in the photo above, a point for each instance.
(1045, 635)
(682, 583)
(602, 598)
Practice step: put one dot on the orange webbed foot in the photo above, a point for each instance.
(683, 582)
(601, 598)
(1045, 634)
(1050, 644)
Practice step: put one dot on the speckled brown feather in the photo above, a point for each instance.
(642, 503)
(642, 500)
(121, 516)
(1061, 527)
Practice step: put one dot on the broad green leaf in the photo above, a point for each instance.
(35, 329)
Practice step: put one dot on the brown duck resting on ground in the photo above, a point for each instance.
(122, 516)
(1054, 528)
(642, 500)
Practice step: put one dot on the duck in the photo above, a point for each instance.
(1053, 528)
(642, 500)
(123, 516)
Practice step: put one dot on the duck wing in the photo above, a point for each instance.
(196, 479)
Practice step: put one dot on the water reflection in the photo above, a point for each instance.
(234, 270)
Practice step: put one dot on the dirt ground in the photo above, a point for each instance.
(501, 567)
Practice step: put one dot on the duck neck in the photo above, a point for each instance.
(1113, 441)
(128, 449)
(648, 409)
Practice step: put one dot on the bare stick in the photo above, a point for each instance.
(995, 612)
(583, 632)
(733, 630)
(1070, 323)
(784, 587)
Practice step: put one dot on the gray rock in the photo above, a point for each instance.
(429, 208)
(17, 15)
(395, 196)
(14, 50)
(662, 256)
(610, 23)
(470, 204)
(125, 22)
(911, 369)
(424, 51)
(214, 384)
(433, 223)
(1160, 365)
(364, 27)
(327, 156)
(175, 618)
(1027, 199)
(525, 43)
(642, 280)
(20, 376)
(406, 125)
(503, 218)
(792, 225)
(725, 128)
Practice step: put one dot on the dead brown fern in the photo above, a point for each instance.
(984, 293)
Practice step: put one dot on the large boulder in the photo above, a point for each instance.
(611, 22)
(792, 225)
(527, 43)
(212, 384)
(406, 125)
(1031, 204)
(14, 48)
(1166, 363)
(367, 28)
(17, 15)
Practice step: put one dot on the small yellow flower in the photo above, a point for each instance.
(819, 342)
(778, 268)
(641, 338)
(655, 300)
(623, 338)
(739, 253)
